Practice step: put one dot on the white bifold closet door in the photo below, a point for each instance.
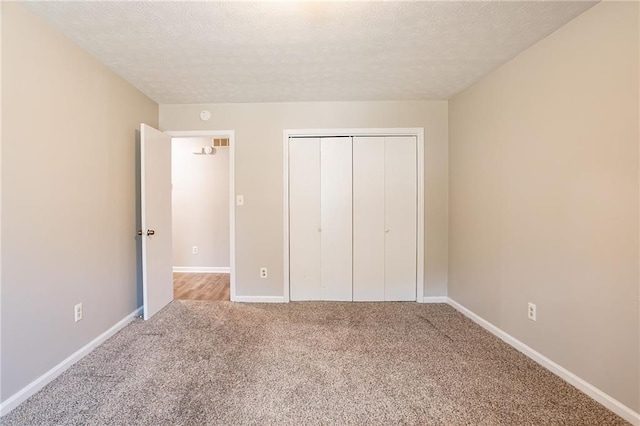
(368, 219)
(320, 218)
(335, 218)
(304, 219)
(384, 218)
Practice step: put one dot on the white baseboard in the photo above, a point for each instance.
(33, 387)
(258, 299)
(203, 269)
(608, 401)
(435, 299)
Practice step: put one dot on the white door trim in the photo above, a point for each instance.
(418, 132)
(231, 134)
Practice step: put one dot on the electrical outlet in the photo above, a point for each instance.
(194, 250)
(263, 272)
(531, 312)
(77, 311)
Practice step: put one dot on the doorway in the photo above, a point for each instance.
(203, 213)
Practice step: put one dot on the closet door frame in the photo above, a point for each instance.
(417, 132)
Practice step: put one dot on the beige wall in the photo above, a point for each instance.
(259, 175)
(200, 204)
(544, 198)
(68, 196)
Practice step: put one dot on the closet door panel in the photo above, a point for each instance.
(304, 219)
(368, 219)
(336, 219)
(401, 218)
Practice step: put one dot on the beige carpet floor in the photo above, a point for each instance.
(203, 363)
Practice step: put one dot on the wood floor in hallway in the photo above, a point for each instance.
(196, 286)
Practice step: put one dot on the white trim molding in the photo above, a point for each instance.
(25, 393)
(231, 134)
(258, 299)
(582, 385)
(203, 269)
(418, 132)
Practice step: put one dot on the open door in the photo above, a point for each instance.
(155, 203)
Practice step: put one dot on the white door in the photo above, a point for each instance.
(384, 218)
(336, 219)
(400, 218)
(155, 181)
(304, 219)
(368, 219)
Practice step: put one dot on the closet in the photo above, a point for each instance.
(352, 218)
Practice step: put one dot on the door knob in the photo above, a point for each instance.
(386, 230)
(139, 231)
(151, 232)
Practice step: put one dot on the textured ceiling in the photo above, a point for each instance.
(200, 52)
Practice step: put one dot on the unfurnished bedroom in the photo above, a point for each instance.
(324, 212)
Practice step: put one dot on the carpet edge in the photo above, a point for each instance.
(32, 388)
(582, 385)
